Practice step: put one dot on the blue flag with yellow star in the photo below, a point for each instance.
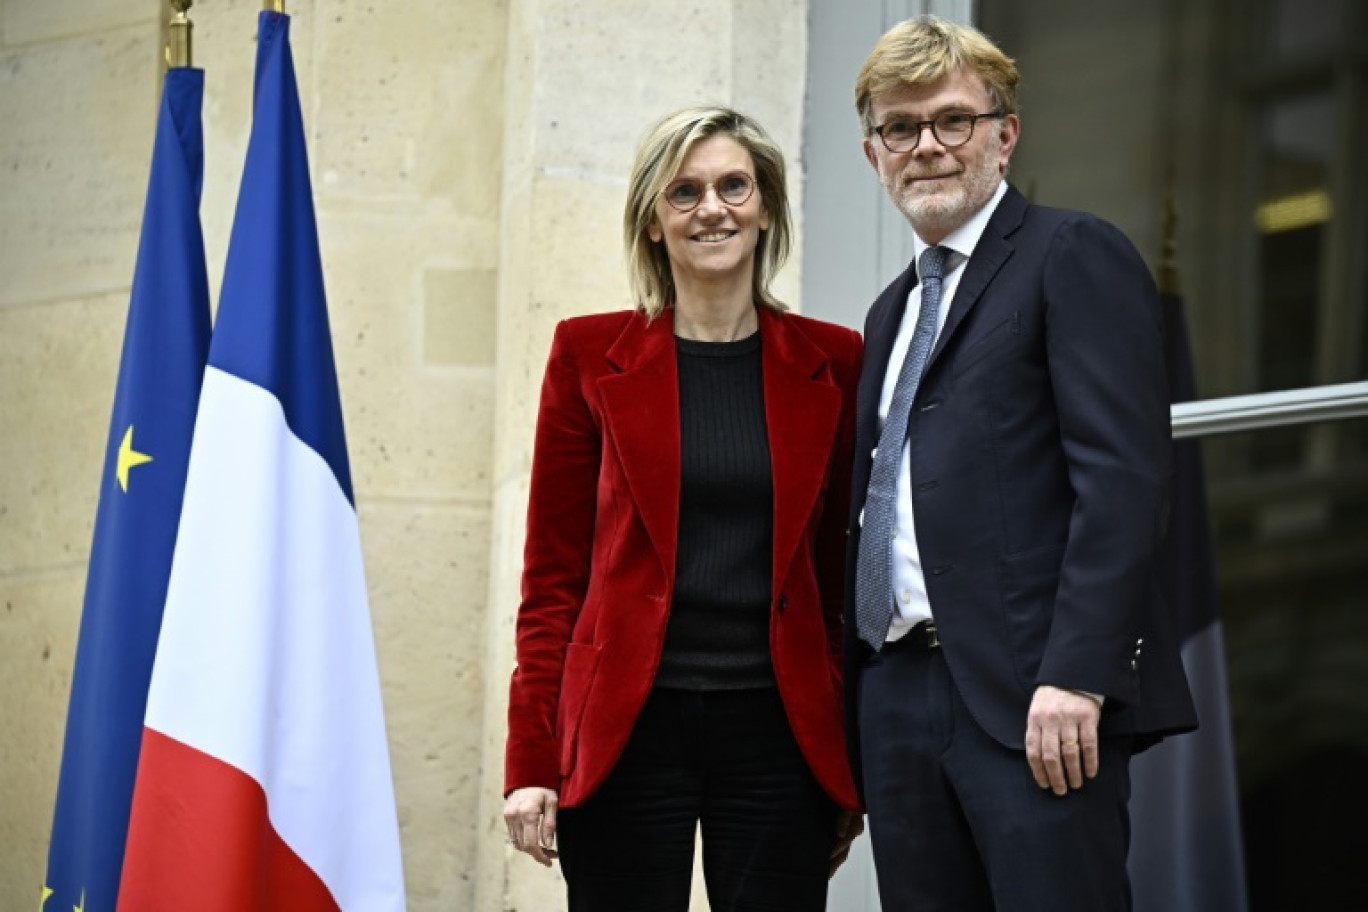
(166, 343)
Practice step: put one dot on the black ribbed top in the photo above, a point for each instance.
(718, 634)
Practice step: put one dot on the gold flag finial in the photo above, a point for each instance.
(179, 52)
(275, 6)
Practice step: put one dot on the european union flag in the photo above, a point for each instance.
(166, 343)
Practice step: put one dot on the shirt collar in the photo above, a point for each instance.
(965, 238)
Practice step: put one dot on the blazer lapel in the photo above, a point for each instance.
(641, 403)
(802, 411)
(991, 252)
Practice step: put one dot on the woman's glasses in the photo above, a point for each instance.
(685, 193)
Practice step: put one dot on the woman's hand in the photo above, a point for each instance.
(530, 814)
(848, 827)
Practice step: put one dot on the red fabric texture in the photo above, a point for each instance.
(603, 510)
(199, 838)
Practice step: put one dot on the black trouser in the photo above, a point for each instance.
(723, 760)
(956, 820)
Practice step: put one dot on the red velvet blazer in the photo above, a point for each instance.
(603, 510)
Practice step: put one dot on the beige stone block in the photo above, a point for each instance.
(39, 620)
(588, 119)
(562, 256)
(414, 428)
(32, 21)
(59, 366)
(459, 311)
(519, 91)
(769, 69)
(427, 569)
(409, 101)
(770, 77)
(78, 121)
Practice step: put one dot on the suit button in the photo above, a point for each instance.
(928, 485)
(1135, 665)
(942, 569)
(783, 602)
(929, 406)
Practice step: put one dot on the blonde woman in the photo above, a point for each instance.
(678, 641)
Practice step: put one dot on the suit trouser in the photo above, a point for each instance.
(956, 819)
(722, 761)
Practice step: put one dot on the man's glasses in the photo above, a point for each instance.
(733, 188)
(954, 128)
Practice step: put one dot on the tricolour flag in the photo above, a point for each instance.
(264, 781)
(165, 341)
(1186, 852)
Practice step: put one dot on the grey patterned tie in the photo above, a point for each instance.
(874, 565)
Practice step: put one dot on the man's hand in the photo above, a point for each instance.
(530, 815)
(1061, 738)
(848, 827)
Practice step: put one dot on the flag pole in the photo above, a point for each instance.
(179, 52)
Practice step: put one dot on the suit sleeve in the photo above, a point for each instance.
(831, 534)
(1106, 364)
(556, 565)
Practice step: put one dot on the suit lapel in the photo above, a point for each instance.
(642, 407)
(802, 411)
(881, 331)
(991, 252)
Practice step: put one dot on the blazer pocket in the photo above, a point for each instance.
(581, 664)
(987, 343)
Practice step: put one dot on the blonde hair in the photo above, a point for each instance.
(925, 49)
(658, 160)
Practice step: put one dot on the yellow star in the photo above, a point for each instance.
(128, 458)
(47, 891)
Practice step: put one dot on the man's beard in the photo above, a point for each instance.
(937, 214)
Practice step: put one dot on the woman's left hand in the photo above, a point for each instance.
(848, 827)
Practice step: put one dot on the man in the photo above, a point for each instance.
(1007, 649)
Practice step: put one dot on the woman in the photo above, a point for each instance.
(678, 640)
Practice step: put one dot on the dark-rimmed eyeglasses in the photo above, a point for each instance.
(732, 188)
(951, 129)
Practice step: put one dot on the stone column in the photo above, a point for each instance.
(584, 79)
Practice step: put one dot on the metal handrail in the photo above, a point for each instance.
(1263, 410)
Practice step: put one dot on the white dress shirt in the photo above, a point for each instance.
(912, 605)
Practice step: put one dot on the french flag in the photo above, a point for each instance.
(264, 778)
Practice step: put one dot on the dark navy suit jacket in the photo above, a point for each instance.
(1040, 463)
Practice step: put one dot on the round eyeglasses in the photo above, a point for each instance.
(951, 129)
(732, 188)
